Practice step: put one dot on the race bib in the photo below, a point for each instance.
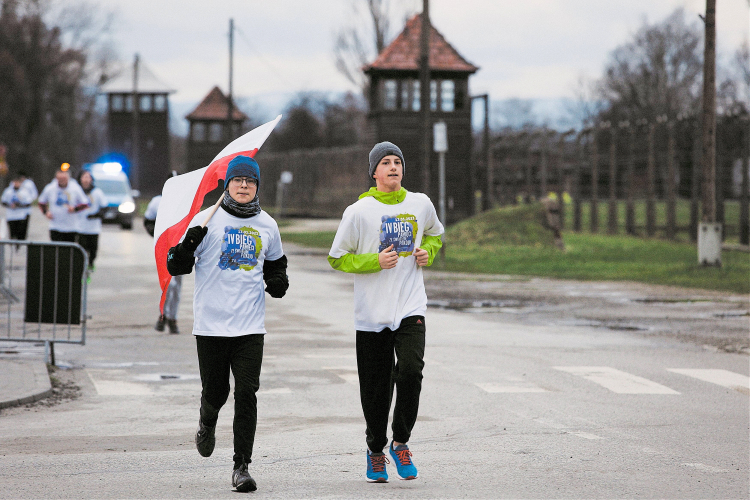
(399, 231)
(240, 248)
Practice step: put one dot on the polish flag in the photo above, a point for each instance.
(182, 197)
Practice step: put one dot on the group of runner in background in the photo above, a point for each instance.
(74, 209)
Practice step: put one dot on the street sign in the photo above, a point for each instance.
(440, 137)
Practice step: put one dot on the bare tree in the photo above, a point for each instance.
(46, 101)
(733, 93)
(585, 104)
(657, 73)
(364, 37)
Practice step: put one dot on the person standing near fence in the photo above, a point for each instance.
(17, 201)
(385, 239)
(90, 219)
(238, 250)
(172, 301)
(60, 201)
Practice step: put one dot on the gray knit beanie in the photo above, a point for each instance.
(380, 151)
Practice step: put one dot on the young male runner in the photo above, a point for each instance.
(385, 239)
(234, 254)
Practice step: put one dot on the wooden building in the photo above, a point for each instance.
(140, 118)
(208, 132)
(394, 112)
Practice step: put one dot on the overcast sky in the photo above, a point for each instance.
(525, 49)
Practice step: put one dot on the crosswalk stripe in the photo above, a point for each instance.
(498, 388)
(724, 378)
(617, 381)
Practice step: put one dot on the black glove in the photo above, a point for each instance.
(276, 287)
(193, 238)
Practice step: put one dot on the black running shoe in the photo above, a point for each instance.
(242, 481)
(205, 439)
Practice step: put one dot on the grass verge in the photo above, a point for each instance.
(508, 241)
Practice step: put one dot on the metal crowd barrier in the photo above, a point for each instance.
(43, 289)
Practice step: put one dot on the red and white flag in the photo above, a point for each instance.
(182, 197)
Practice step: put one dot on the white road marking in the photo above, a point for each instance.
(705, 468)
(586, 435)
(166, 377)
(348, 374)
(617, 381)
(119, 388)
(280, 390)
(724, 378)
(499, 388)
(110, 387)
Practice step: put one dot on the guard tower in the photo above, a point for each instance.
(138, 126)
(208, 128)
(395, 104)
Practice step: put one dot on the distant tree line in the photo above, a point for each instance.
(48, 76)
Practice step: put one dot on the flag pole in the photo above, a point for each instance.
(213, 210)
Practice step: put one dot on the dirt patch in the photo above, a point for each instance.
(714, 320)
(64, 388)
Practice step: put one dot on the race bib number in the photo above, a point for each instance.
(399, 231)
(240, 248)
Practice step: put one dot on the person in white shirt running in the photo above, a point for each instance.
(174, 290)
(90, 219)
(238, 250)
(385, 239)
(60, 200)
(17, 200)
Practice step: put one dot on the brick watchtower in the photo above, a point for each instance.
(395, 103)
(140, 118)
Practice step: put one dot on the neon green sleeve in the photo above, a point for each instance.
(432, 244)
(365, 263)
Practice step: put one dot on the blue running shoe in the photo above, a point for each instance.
(404, 466)
(376, 472)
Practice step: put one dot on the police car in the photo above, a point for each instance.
(110, 178)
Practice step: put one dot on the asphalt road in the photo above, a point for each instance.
(514, 405)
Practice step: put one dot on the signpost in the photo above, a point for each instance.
(440, 146)
(285, 178)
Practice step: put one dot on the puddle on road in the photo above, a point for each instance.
(478, 306)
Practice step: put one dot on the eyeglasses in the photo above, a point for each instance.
(237, 181)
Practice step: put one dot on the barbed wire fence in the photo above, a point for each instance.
(647, 173)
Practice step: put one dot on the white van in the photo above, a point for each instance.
(110, 178)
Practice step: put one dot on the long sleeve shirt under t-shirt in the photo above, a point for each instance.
(382, 298)
(58, 199)
(229, 299)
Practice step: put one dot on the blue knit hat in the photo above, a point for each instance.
(242, 166)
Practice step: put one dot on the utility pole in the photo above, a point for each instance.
(709, 114)
(135, 133)
(424, 94)
(230, 123)
(709, 232)
(488, 199)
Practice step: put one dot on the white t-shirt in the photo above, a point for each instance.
(229, 299)
(97, 200)
(58, 200)
(31, 188)
(384, 298)
(153, 208)
(20, 196)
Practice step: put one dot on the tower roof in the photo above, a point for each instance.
(403, 52)
(214, 107)
(148, 83)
